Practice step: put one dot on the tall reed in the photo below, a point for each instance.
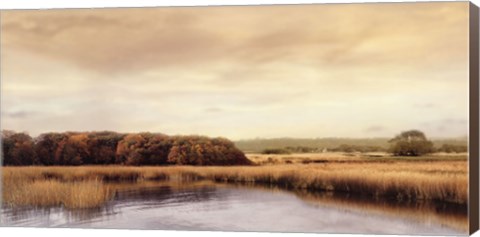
(46, 193)
(440, 181)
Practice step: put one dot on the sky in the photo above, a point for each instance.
(306, 71)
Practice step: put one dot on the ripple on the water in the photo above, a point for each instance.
(208, 206)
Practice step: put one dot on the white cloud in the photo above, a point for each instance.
(327, 70)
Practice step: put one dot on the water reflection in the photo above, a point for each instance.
(158, 194)
(443, 213)
(50, 217)
(208, 206)
(427, 212)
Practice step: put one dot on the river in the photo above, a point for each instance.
(223, 207)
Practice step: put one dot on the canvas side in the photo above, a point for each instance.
(1, 107)
(1, 101)
(474, 120)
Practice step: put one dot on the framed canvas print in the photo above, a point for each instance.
(358, 118)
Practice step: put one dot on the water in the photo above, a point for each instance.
(209, 206)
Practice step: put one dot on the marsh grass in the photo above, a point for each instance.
(353, 157)
(399, 185)
(404, 180)
(47, 193)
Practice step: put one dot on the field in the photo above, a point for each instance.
(438, 177)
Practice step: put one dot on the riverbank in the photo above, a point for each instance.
(207, 205)
(443, 180)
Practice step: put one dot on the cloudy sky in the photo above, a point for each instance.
(336, 70)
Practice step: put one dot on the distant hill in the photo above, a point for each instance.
(260, 144)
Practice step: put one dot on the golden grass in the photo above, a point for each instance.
(401, 185)
(341, 157)
(442, 180)
(45, 193)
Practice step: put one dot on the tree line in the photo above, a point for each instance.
(401, 149)
(108, 148)
(407, 143)
(315, 145)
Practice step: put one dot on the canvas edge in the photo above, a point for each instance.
(1, 110)
(474, 115)
(474, 104)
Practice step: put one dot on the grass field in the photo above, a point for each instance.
(437, 177)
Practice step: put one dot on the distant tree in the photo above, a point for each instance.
(157, 149)
(18, 149)
(347, 148)
(143, 149)
(276, 151)
(354, 148)
(198, 150)
(91, 148)
(411, 143)
(300, 149)
(450, 148)
(130, 148)
(46, 146)
(102, 147)
(7, 145)
(74, 150)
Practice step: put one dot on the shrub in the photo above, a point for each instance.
(274, 151)
(355, 148)
(302, 149)
(449, 148)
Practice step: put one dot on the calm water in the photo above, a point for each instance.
(208, 206)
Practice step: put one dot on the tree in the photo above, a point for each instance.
(74, 150)
(17, 149)
(103, 147)
(129, 150)
(46, 146)
(198, 150)
(143, 149)
(411, 143)
(97, 148)
(450, 148)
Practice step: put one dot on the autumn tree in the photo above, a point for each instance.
(411, 143)
(157, 149)
(46, 146)
(18, 149)
(72, 150)
(103, 147)
(143, 149)
(197, 150)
